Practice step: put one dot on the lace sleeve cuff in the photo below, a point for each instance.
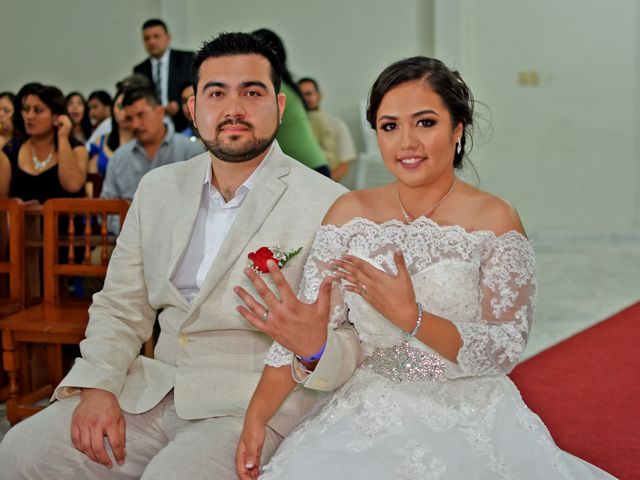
(278, 356)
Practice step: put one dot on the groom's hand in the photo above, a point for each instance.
(98, 416)
(297, 326)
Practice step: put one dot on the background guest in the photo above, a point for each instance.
(47, 162)
(186, 92)
(6, 117)
(99, 107)
(155, 145)
(18, 121)
(78, 111)
(332, 133)
(166, 68)
(294, 134)
(103, 147)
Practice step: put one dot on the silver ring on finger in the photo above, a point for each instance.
(363, 289)
(264, 315)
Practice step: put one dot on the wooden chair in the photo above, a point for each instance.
(12, 267)
(12, 255)
(60, 319)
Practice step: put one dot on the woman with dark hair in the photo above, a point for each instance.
(18, 121)
(7, 131)
(438, 278)
(295, 135)
(47, 162)
(78, 110)
(100, 152)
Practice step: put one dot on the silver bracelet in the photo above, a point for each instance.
(418, 321)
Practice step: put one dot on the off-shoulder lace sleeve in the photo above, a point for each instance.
(329, 244)
(493, 344)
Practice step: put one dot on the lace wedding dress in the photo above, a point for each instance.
(408, 413)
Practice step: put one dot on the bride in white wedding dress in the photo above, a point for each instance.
(438, 279)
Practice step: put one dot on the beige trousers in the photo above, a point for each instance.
(160, 445)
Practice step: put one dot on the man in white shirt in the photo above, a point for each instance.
(332, 133)
(167, 68)
(184, 247)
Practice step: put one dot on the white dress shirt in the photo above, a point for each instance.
(164, 74)
(213, 222)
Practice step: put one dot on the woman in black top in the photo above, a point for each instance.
(47, 162)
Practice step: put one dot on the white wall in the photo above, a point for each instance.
(73, 44)
(563, 152)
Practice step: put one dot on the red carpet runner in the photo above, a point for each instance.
(587, 391)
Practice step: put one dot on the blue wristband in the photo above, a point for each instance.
(314, 357)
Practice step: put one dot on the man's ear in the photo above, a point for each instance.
(191, 103)
(282, 101)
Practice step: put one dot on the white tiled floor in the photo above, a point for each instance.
(581, 282)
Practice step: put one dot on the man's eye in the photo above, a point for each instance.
(253, 93)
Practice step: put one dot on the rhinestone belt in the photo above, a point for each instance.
(403, 363)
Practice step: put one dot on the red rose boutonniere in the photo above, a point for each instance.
(258, 259)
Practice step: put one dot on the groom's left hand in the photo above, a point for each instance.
(299, 327)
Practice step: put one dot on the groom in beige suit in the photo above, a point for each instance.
(183, 249)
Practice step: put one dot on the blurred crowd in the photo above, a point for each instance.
(100, 145)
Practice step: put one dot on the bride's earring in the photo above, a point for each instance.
(459, 146)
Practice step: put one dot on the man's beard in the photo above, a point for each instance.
(235, 151)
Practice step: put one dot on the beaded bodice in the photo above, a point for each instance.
(483, 283)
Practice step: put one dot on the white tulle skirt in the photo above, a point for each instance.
(470, 428)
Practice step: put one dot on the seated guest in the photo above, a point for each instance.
(331, 132)
(186, 92)
(99, 107)
(6, 117)
(79, 115)
(101, 150)
(105, 127)
(47, 162)
(18, 121)
(155, 145)
(294, 134)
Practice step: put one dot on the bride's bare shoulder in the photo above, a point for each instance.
(352, 204)
(491, 212)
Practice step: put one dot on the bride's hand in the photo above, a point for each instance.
(391, 295)
(250, 449)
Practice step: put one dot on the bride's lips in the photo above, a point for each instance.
(411, 162)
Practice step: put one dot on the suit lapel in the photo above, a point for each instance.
(190, 196)
(255, 209)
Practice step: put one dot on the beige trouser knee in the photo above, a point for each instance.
(159, 445)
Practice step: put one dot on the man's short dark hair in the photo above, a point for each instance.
(102, 96)
(309, 79)
(236, 43)
(133, 94)
(155, 22)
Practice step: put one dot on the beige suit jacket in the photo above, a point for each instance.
(207, 353)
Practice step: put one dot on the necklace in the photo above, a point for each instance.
(408, 218)
(40, 165)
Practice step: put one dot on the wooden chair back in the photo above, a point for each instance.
(12, 249)
(73, 229)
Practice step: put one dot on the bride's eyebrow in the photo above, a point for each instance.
(413, 115)
(424, 112)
